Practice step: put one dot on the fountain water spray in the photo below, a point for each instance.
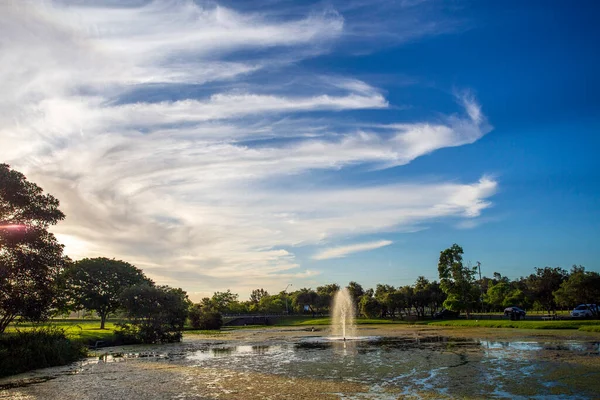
(343, 315)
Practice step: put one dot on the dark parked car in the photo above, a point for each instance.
(444, 313)
(515, 313)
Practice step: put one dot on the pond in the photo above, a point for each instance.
(308, 366)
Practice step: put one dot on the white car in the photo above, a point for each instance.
(584, 310)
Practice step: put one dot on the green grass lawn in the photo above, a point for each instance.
(587, 325)
(83, 330)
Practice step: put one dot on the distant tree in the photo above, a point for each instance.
(422, 295)
(405, 298)
(258, 294)
(223, 302)
(305, 298)
(384, 296)
(157, 313)
(274, 304)
(204, 319)
(31, 259)
(356, 291)
(544, 283)
(582, 287)
(97, 283)
(326, 294)
(496, 294)
(457, 281)
(437, 297)
(369, 306)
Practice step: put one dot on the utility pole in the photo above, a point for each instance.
(286, 302)
(480, 285)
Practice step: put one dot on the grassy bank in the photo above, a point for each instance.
(87, 332)
(587, 325)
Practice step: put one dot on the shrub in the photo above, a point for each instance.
(37, 348)
(204, 319)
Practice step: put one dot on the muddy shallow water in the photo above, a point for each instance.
(386, 363)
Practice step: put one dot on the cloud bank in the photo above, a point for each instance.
(154, 125)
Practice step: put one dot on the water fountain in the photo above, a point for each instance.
(343, 314)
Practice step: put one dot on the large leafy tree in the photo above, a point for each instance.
(356, 291)
(157, 313)
(544, 283)
(97, 284)
(581, 287)
(305, 298)
(31, 259)
(257, 295)
(326, 294)
(457, 281)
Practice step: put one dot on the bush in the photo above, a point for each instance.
(205, 320)
(37, 348)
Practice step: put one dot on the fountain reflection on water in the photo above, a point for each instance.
(343, 315)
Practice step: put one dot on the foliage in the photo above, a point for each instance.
(272, 304)
(325, 295)
(356, 291)
(156, 314)
(544, 283)
(97, 284)
(223, 301)
(37, 348)
(369, 306)
(385, 300)
(457, 281)
(305, 297)
(257, 295)
(31, 259)
(204, 319)
(581, 287)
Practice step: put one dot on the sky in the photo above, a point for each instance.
(239, 145)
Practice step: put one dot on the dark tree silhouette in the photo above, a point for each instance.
(31, 259)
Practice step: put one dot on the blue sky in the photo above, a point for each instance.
(237, 145)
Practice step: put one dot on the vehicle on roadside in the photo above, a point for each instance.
(444, 313)
(515, 313)
(585, 311)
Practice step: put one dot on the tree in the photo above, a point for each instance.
(582, 287)
(31, 259)
(457, 281)
(369, 306)
(326, 294)
(97, 283)
(207, 319)
(305, 297)
(258, 294)
(382, 295)
(544, 283)
(422, 295)
(157, 313)
(356, 291)
(496, 295)
(272, 304)
(224, 301)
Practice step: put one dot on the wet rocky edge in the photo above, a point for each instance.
(295, 364)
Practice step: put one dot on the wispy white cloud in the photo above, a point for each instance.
(212, 187)
(343, 251)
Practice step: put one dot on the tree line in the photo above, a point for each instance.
(37, 280)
